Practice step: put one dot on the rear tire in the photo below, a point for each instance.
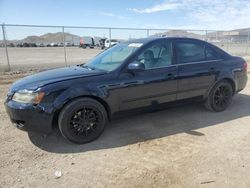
(82, 120)
(220, 97)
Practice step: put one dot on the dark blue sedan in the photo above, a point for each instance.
(133, 75)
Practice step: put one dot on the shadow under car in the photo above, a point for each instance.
(134, 129)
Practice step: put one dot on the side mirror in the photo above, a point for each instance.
(136, 66)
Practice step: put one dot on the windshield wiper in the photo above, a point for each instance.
(87, 67)
(92, 68)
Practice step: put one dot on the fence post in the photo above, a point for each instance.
(248, 42)
(6, 48)
(206, 36)
(248, 36)
(147, 32)
(64, 48)
(109, 37)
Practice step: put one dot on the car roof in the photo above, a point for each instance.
(150, 39)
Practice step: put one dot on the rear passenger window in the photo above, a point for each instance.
(211, 54)
(188, 52)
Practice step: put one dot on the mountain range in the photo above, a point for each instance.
(55, 38)
(71, 38)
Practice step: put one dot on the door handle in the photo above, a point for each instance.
(212, 70)
(132, 83)
(170, 76)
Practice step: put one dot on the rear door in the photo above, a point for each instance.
(196, 72)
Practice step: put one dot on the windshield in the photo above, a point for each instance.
(111, 58)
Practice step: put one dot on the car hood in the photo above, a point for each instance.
(55, 75)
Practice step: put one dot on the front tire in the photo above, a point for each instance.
(220, 97)
(82, 120)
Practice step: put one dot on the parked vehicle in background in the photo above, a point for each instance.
(52, 44)
(11, 44)
(110, 43)
(68, 44)
(32, 45)
(41, 45)
(19, 45)
(60, 44)
(102, 42)
(132, 75)
(87, 42)
(26, 44)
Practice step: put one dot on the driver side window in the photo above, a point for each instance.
(156, 56)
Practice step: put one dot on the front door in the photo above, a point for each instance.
(154, 85)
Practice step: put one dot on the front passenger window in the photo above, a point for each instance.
(156, 56)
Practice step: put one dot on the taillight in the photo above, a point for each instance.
(245, 66)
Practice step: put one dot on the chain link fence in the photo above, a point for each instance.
(24, 47)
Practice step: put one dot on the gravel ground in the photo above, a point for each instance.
(23, 59)
(185, 146)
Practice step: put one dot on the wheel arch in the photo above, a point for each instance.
(231, 81)
(100, 100)
(228, 79)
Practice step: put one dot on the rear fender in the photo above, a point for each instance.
(225, 76)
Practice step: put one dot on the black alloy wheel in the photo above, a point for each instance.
(82, 120)
(220, 97)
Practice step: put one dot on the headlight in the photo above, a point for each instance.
(27, 96)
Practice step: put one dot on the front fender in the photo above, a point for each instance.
(74, 92)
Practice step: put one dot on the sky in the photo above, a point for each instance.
(172, 14)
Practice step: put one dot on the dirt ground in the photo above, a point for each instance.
(184, 146)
